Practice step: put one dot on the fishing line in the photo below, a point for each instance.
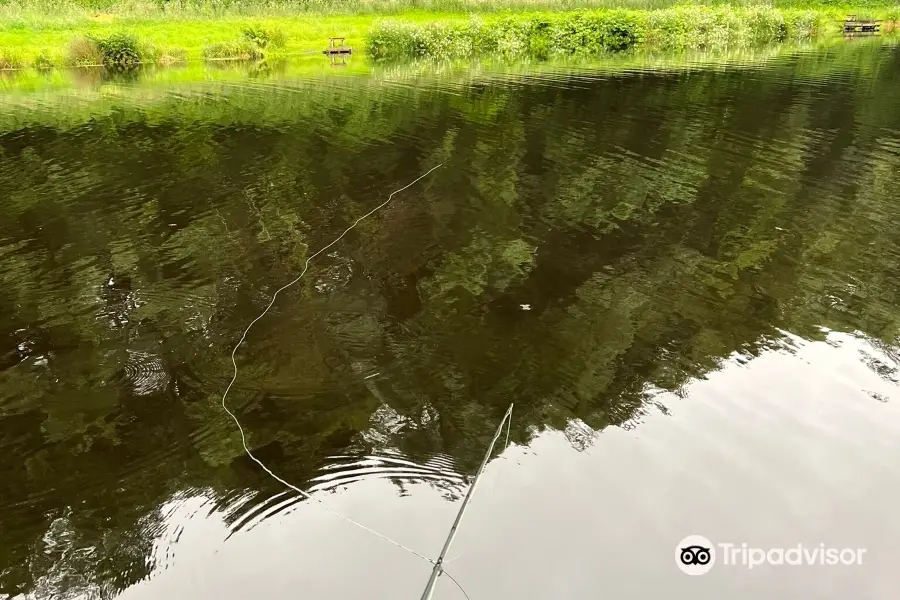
(453, 579)
(492, 490)
(438, 569)
(235, 374)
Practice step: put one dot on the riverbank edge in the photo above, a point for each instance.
(121, 41)
(548, 34)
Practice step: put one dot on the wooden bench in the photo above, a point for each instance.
(336, 46)
(854, 25)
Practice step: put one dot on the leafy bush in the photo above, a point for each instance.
(83, 52)
(392, 38)
(623, 30)
(803, 25)
(237, 50)
(253, 43)
(263, 37)
(765, 24)
(42, 61)
(119, 50)
(595, 31)
(536, 34)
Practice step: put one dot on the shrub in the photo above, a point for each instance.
(83, 52)
(594, 31)
(803, 25)
(391, 38)
(237, 50)
(512, 37)
(765, 24)
(669, 28)
(10, 60)
(119, 50)
(621, 30)
(538, 35)
(264, 37)
(891, 20)
(172, 55)
(42, 61)
(576, 33)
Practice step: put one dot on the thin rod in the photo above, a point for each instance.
(438, 565)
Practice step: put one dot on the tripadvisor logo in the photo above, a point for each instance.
(696, 555)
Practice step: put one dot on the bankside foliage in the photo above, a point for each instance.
(590, 32)
(119, 50)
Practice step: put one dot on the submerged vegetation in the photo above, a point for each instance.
(57, 33)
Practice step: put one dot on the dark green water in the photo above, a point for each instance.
(595, 245)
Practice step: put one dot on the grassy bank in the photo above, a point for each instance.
(45, 34)
(544, 34)
(81, 42)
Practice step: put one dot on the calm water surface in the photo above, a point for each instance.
(686, 280)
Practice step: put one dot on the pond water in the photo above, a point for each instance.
(685, 278)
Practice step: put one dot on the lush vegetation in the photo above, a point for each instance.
(655, 224)
(592, 32)
(55, 33)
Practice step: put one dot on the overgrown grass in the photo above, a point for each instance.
(236, 50)
(256, 42)
(10, 59)
(83, 52)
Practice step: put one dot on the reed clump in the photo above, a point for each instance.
(83, 52)
(43, 61)
(10, 59)
(255, 43)
(234, 50)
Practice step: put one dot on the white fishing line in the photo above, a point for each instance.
(492, 490)
(235, 374)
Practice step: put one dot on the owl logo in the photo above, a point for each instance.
(695, 555)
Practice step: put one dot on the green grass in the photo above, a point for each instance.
(42, 32)
(186, 39)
